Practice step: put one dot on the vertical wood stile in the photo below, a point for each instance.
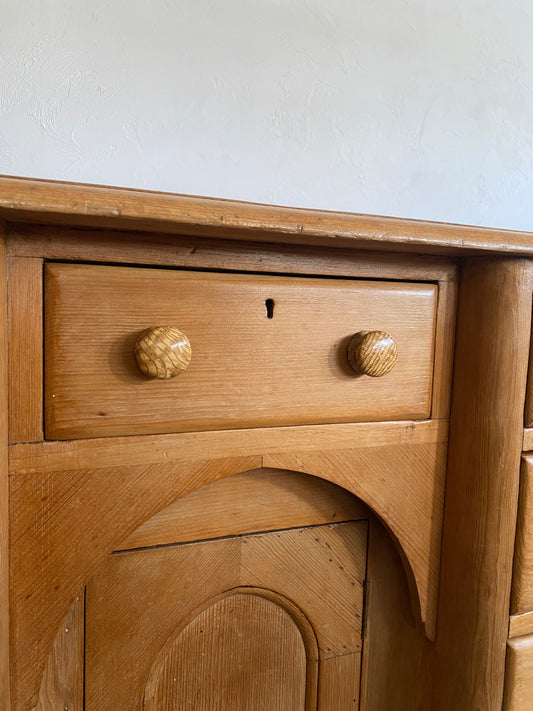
(491, 361)
(4, 486)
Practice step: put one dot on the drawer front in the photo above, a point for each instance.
(519, 674)
(522, 590)
(266, 350)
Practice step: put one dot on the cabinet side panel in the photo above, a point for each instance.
(4, 486)
(494, 323)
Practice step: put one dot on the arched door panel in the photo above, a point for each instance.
(143, 601)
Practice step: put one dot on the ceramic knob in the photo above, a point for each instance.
(372, 353)
(162, 352)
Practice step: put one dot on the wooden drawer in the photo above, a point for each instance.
(519, 674)
(522, 590)
(247, 369)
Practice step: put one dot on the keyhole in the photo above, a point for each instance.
(269, 303)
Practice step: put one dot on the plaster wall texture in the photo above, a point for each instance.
(413, 108)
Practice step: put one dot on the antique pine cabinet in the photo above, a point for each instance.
(261, 459)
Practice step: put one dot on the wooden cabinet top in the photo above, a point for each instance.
(76, 205)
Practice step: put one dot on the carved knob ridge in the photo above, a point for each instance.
(372, 353)
(162, 352)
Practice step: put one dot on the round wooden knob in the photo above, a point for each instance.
(162, 352)
(372, 353)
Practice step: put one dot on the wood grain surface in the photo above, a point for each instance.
(243, 652)
(63, 679)
(372, 353)
(50, 457)
(410, 505)
(522, 590)
(88, 512)
(486, 433)
(259, 500)
(397, 652)
(127, 247)
(132, 616)
(521, 624)
(248, 370)
(162, 352)
(519, 676)
(5, 609)
(396, 674)
(25, 309)
(72, 204)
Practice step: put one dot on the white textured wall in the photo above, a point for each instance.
(416, 108)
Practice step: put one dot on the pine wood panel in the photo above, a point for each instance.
(122, 247)
(410, 504)
(132, 611)
(244, 652)
(528, 410)
(322, 569)
(260, 500)
(444, 347)
(396, 674)
(490, 373)
(62, 684)
(70, 521)
(50, 202)
(79, 515)
(339, 688)
(49, 457)
(5, 609)
(25, 313)
(519, 676)
(396, 649)
(94, 315)
(528, 440)
(522, 590)
(521, 624)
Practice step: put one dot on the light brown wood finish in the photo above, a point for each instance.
(339, 683)
(62, 684)
(396, 672)
(372, 353)
(126, 247)
(49, 202)
(89, 512)
(242, 373)
(5, 609)
(519, 677)
(79, 518)
(410, 506)
(243, 652)
(482, 484)
(528, 440)
(528, 411)
(168, 250)
(132, 612)
(50, 457)
(444, 348)
(25, 314)
(395, 648)
(521, 624)
(522, 590)
(260, 500)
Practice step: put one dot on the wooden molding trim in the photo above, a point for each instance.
(50, 202)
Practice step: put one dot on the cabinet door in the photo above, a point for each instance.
(245, 623)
